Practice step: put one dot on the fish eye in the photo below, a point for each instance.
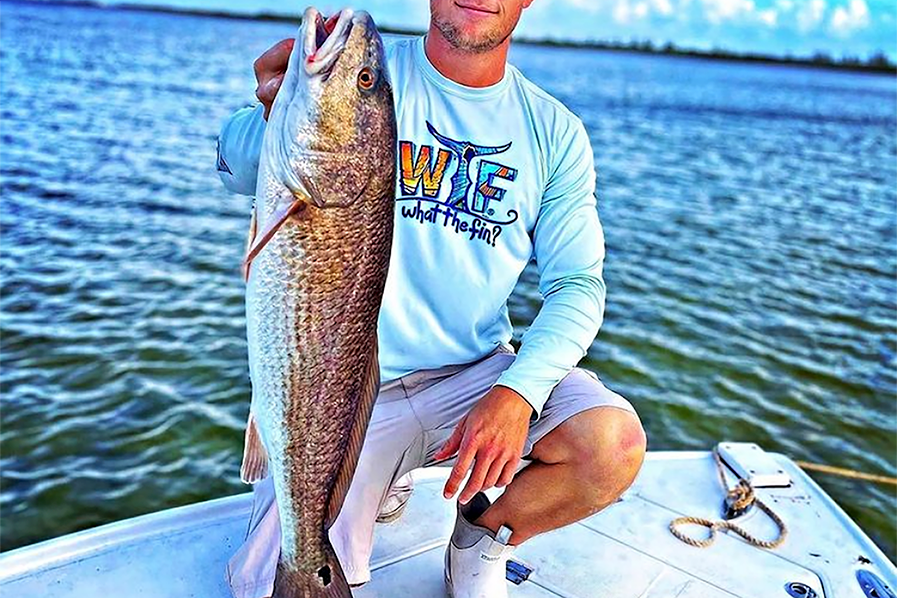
(366, 79)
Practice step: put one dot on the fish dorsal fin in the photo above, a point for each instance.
(369, 389)
(255, 459)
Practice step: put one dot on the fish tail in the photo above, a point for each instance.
(328, 582)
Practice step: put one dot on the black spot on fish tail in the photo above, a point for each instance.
(328, 582)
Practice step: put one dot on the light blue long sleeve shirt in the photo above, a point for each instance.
(488, 178)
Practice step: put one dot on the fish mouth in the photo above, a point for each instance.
(325, 39)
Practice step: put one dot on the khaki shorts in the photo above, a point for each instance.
(412, 418)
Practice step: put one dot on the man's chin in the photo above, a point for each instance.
(474, 37)
(477, 40)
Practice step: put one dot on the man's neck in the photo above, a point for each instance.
(473, 70)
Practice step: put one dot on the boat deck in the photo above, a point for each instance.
(626, 551)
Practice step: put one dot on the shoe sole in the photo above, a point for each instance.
(393, 515)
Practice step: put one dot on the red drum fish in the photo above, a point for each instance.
(316, 272)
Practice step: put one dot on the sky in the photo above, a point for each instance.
(780, 27)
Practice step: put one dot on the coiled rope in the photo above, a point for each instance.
(740, 497)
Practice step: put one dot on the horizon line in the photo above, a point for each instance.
(876, 62)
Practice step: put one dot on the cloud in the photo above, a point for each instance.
(770, 17)
(847, 20)
(587, 5)
(796, 27)
(717, 11)
(664, 7)
(626, 11)
(623, 11)
(810, 15)
(745, 12)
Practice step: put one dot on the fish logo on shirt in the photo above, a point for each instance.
(470, 206)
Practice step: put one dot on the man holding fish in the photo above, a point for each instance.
(489, 171)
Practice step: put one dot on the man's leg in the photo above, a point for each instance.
(585, 449)
(578, 468)
(250, 571)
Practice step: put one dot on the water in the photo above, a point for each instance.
(751, 222)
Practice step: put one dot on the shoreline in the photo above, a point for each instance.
(879, 64)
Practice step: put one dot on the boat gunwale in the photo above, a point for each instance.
(58, 552)
(62, 551)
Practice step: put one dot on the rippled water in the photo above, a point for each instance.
(751, 222)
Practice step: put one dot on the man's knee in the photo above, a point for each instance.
(606, 444)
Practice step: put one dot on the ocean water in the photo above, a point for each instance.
(750, 213)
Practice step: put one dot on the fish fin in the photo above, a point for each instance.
(272, 225)
(370, 388)
(250, 239)
(328, 582)
(255, 458)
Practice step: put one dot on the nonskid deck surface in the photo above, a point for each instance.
(626, 551)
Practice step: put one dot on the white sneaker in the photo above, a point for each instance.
(396, 499)
(475, 559)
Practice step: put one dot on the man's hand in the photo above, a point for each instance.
(270, 68)
(491, 438)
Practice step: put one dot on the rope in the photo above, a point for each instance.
(848, 473)
(740, 497)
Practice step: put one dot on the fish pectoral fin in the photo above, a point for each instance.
(369, 390)
(255, 458)
(250, 239)
(272, 225)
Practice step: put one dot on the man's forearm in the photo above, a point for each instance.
(558, 338)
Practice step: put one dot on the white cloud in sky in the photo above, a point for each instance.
(846, 20)
(745, 12)
(769, 17)
(811, 14)
(626, 11)
(783, 26)
(622, 11)
(806, 14)
(717, 11)
(663, 7)
(589, 5)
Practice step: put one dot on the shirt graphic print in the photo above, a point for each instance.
(470, 201)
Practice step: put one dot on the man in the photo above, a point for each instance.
(493, 172)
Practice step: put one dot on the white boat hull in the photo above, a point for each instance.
(626, 551)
